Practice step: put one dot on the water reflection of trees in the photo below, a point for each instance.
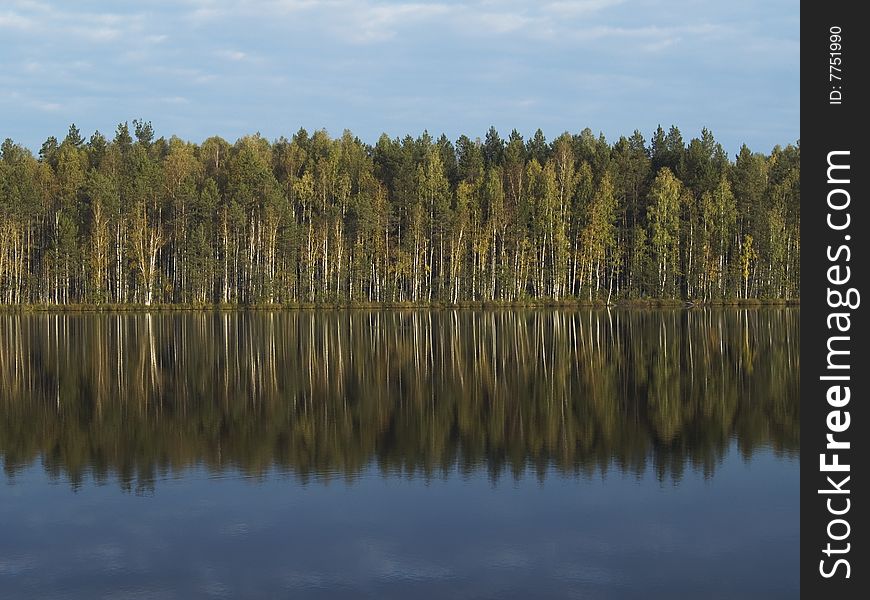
(413, 392)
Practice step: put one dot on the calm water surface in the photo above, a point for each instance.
(467, 454)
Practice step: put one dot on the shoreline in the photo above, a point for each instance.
(657, 303)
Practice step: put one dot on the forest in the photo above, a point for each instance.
(149, 221)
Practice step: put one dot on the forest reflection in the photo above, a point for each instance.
(325, 394)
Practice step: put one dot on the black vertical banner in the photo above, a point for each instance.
(835, 225)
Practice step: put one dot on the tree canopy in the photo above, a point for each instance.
(140, 219)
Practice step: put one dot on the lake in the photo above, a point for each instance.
(549, 453)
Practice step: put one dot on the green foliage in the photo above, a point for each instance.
(315, 219)
(664, 219)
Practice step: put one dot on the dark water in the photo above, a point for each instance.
(494, 454)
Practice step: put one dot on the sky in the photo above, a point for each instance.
(197, 68)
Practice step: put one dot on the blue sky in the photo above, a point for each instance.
(197, 68)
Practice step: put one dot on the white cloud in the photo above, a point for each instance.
(648, 36)
(232, 54)
(378, 21)
(98, 34)
(46, 106)
(174, 100)
(48, 20)
(475, 22)
(11, 20)
(574, 8)
(382, 22)
(205, 14)
(659, 45)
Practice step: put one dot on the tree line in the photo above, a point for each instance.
(411, 392)
(311, 219)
